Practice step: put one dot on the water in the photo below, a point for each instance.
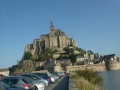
(111, 80)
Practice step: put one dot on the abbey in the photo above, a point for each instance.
(56, 40)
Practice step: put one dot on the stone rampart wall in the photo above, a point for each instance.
(96, 67)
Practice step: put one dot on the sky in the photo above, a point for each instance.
(94, 25)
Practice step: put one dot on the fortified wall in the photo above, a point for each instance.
(95, 67)
(112, 65)
(112, 62)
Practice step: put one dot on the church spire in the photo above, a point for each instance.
(51, 21)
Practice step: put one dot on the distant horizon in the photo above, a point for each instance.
(94, 25)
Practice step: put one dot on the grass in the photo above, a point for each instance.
(87, 80)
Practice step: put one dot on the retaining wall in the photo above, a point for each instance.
(72, 85)
(96, 67)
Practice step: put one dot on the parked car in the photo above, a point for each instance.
(56, 77)
(19, 82)
(38, 85)
(7, 87)
(35, 78)
(58, 74)
(46, 76)
(43, 76)
(63, 72)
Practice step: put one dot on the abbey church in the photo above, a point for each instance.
(56, 40)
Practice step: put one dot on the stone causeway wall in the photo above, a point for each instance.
(72, 85)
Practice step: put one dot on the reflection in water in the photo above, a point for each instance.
(111, 80)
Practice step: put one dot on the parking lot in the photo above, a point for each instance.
(36, 81)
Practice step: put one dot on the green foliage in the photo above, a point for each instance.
(43, 57)
(13, 68)
(83, 84)
(27, 56)
(87, 80)
(55, 51)
(79, 49)
(62, 56)
(45, 54)
(91, 76)
(47, 51)
(68, 50)
(73, 58)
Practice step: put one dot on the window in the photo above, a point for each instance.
(27, 80)
(52, 29)
(14, 81)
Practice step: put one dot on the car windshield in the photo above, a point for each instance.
(36, 76)
(33, 77)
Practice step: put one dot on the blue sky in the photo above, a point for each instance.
(94, 24)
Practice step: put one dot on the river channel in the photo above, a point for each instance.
(111, 80)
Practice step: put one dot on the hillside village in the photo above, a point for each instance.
(55, 51)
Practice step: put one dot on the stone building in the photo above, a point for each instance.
(110, 57)
(57, 65)
(4, 71)
(80, 59)
(56, 40)
(88, 55)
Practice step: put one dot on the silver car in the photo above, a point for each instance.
(37, 84)
(7, 87)
(54, 76)
(35, 78)
(19, 82)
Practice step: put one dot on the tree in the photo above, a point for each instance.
(79, 49)
(47, 51)
(13, 68)
(81, 54)
(55, 51)
(73, 58)
(68, 50)
(27, 56)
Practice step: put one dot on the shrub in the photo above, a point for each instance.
(91, 76)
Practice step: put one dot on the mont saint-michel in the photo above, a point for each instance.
(56, 52)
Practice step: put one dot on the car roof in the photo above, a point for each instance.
(18, 77)
(38, 72)
(27, 74)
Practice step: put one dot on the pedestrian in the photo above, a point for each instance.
(1, 77)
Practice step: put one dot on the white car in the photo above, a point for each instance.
(46, 81)
(54, 76)
(52, 79)
(38, 85)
